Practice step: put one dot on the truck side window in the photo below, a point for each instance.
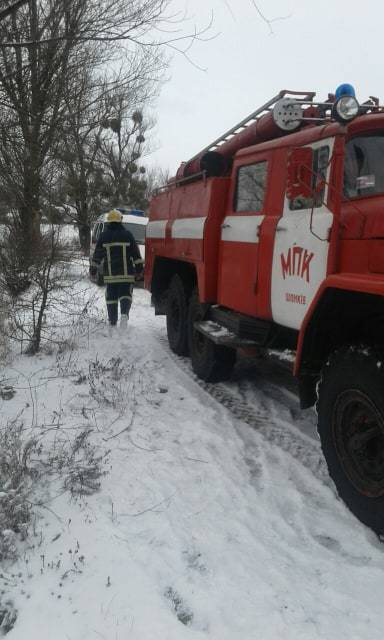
(363, 166)
(319, 168)
(250, 187)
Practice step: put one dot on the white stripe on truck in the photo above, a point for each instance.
(233, 228)
(156, 229)
(191, 228)
(241, 228)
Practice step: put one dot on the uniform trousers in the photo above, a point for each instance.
(115, 293)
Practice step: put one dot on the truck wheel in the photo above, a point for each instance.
(177, 309)
(209, 361)
(351, 429)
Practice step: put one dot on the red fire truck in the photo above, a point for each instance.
(273, 237)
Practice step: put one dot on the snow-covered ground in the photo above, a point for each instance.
(206, 525)
(68, 232)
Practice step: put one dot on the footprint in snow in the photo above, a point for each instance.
(180, 608)
(193, 560)
(334, 545)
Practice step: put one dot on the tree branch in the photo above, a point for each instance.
(4, 13)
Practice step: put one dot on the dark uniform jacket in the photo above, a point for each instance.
(118, 250)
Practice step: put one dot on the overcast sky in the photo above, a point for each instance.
(313, 49)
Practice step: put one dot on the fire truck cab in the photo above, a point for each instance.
(273, 237)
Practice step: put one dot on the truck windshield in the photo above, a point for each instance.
(364, 166)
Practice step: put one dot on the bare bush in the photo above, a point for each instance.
(8, 617)
(48, 280)
(107, 382)
(29, 455)
(4, 343)
(16, 477)
(79, 464)
(15, 268)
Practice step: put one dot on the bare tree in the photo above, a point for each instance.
(145, 23)
(120, 149)
(156, 177)
(79, 176)
(11, 8)
(42, 46)
(102, 138)
(32, 85)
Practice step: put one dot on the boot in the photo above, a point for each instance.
(111, 329)
(123, 321)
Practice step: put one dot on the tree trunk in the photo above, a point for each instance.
(84, 236)
(83, 223)
(30, 213)
(34, 345)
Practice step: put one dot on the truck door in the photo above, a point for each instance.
(301, 246)
(239, 240)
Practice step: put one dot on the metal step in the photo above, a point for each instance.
(242, 326)
(221, 335)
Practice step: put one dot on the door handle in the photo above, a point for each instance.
(225, 225)
(279, 229)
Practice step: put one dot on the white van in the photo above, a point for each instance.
(133, 220)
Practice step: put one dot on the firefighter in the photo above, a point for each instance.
(122, 265)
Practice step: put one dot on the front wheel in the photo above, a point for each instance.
(351, 429)
(210, 362)
(177, 309)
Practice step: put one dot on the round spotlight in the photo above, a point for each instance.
(345, 109)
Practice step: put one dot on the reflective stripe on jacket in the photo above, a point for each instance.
(120, 254)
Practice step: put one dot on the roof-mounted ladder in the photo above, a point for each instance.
(304, 96)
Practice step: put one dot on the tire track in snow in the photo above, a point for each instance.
(277, 431)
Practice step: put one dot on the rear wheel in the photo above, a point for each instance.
(351, 429)
(177, 309)
(210, 362)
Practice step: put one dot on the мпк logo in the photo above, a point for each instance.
(296, 262)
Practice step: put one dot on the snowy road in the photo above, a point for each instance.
(207, 524)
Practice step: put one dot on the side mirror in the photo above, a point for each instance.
(300, 173)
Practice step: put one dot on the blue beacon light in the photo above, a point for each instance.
(345, 107)
(345, 90)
